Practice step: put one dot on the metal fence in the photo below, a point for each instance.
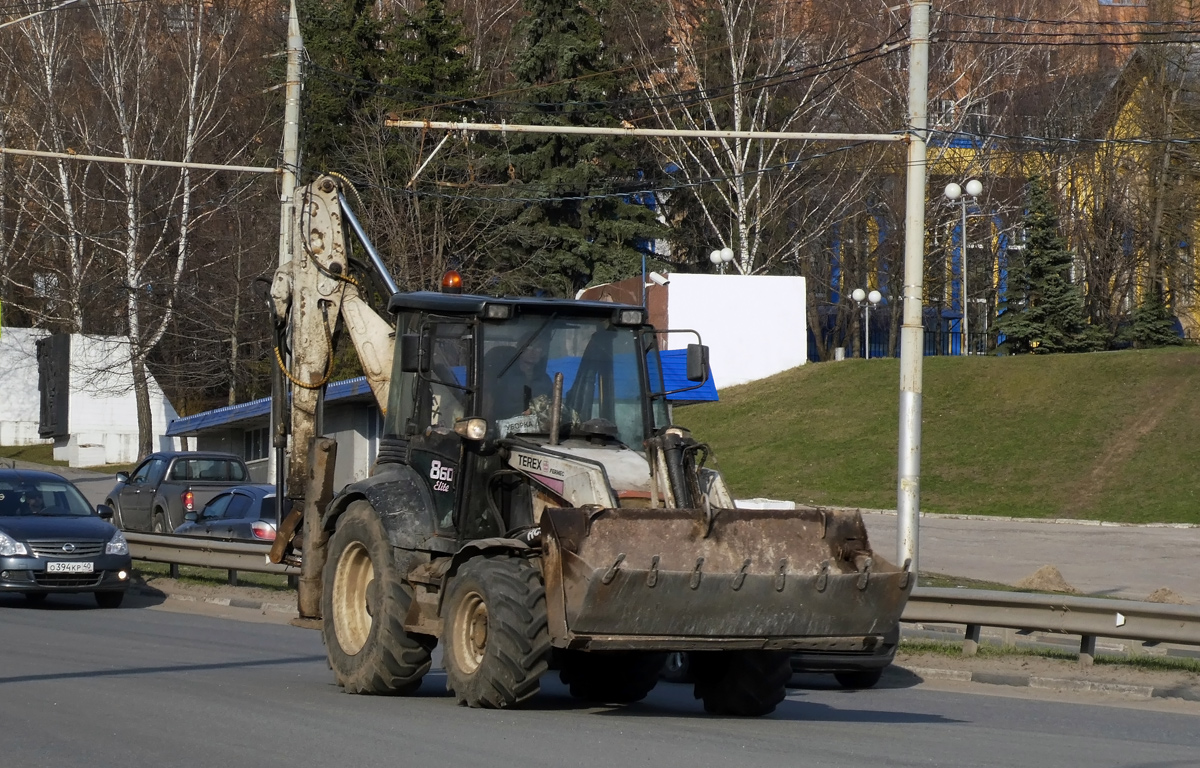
(1087, 617)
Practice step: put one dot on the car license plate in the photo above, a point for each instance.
(69, 567)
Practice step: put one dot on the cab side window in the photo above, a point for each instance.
(443, 397)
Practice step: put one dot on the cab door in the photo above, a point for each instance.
(442, 396)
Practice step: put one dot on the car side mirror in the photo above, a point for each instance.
(122, 477)
(105, 512)
(697, 362)
(191, 517)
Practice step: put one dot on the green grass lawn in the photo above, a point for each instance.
(1104, 436)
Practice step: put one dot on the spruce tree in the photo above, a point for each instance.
(342, 42)
(569, 224)
(1051, 317)
(1153, 324)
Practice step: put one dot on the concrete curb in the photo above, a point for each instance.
(229, 602)
(1138, 692)
(1042, 520)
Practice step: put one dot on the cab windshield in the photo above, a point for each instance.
(600, 364)
(43, 498)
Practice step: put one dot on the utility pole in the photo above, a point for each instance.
(287, 194)
(912, 333)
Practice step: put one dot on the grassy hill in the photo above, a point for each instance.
(1105, 436)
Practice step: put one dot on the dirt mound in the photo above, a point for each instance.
(1164, 595)
(1047, 579)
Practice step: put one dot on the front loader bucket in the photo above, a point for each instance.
(675, 579)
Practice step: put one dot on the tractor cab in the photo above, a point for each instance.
(477, 378)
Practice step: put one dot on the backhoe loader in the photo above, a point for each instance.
(533, 504)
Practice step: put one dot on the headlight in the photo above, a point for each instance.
(10, 546)
(117, 545)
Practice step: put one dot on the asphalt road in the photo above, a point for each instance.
(141, 686)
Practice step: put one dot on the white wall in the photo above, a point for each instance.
(20, 404)
(103, 409)
(102, 415)
(754, 325)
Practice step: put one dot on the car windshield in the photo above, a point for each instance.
(600, 367)
(42, 497)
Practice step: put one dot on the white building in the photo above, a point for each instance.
(754, 325)
(80, 398)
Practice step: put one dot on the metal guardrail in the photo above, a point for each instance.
(205, 553)
(1088, 617)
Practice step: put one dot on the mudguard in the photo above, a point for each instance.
(404, 504)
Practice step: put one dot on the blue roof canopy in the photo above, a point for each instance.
(674, 363)
(231, 414)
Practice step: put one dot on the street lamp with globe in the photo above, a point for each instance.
(721, 257)
(867, 301)
(954, 193)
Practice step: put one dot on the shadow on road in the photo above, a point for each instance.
(165, 668)
(136, 597)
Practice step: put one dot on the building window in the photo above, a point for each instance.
(256, 444)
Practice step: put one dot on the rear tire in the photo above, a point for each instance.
(160, 522)
(741, 683)
(109, 599)
(858, 680)
(363, 606)
(497, 643)
(614, 677)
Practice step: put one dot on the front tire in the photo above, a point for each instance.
(363, 606)
(858, 680)
(613, 677)
(741, 683)
(109, 599)
(116, 514)
(497, 643)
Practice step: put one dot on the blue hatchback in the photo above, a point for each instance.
(51, 540)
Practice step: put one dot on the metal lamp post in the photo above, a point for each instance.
(867, 301)
(954, 193)
(721, 257)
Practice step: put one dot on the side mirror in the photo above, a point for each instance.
(122, 477)
(191, 517)
(697, 362)
(105, 512)
(413, 354)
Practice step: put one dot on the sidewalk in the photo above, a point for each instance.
(1100, 560)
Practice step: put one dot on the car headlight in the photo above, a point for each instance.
(117, 545)
(10, 546)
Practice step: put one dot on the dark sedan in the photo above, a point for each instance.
(241, 512)
(51, 540)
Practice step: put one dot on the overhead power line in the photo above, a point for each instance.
(38, 13)
(138, 161)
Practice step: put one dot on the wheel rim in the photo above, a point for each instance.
(159, 525)
(351, 591)
(470, 632)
